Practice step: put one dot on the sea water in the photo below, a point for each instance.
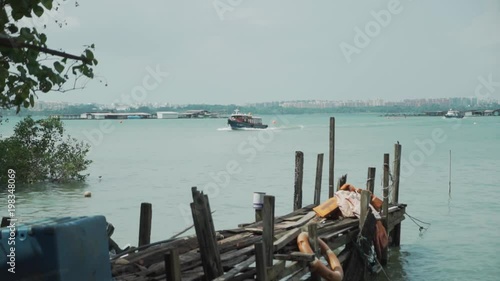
(453, 232)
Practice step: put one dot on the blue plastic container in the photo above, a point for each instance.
(57, 249)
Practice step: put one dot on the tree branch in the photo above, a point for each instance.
(9, 42)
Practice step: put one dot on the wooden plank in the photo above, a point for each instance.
(145, 224)
(319, 175)
(299, 173)
(268, 228)
(332, 158)
(237, 269)
(172, 265)
(287, 238)
(291, 269)
(299, 274)
(296, 256)
(298, 223)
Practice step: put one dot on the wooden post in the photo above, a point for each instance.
(370, 181)
(385, 206)
(319, 175)
(332, 157)
(172, 265)
(341, 181)
(396, 231)
(365, 201)
(5, 222)
(268, 228)
(312, 230)
(145, 224)
(299, 172)
(260, 262)
(205, 233)
(396, 170)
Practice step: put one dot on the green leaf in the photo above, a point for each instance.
(43, 38)
(38, 11)
(47, 4)
(13, 28)
(58, 66)
(89, 54)
(32, 101)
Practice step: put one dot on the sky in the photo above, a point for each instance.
(242, 51)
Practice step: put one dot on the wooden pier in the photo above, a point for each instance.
(267, 249)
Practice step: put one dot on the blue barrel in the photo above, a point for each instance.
(55, 249)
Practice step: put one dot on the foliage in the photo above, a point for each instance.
(38, 151)
(27, 66)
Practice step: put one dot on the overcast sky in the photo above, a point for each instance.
(240, 51)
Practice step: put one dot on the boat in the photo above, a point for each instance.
(239, 120)
(454, 114)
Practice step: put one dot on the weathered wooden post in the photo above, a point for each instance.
(365, 201)
(341, 181)
(332, 158)
(299, 173)
(205, 233)
(396, 231)
(396, 170)
(172, 265)
(258, 204)
(319, 175)
(268, 229)
(370, 181)
(312, 230)
(385, 206)
(260, 261)
(145, 224)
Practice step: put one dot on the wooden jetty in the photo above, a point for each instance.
(267, 248)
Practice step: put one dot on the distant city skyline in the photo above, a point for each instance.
(463, 101)
(242, 52)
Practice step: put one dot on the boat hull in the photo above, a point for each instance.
(235, 125)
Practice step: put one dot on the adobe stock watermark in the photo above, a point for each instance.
(224, 6)
(247, 151)
(426, 147)
(373, 28)
(150, 82)
(486, 87)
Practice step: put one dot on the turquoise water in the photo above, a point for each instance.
(158, 161)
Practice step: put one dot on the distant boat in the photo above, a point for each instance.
(239, 120)
(454, 114)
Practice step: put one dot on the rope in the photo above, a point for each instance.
(420, 227)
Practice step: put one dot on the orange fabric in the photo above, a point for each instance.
(380, 240)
